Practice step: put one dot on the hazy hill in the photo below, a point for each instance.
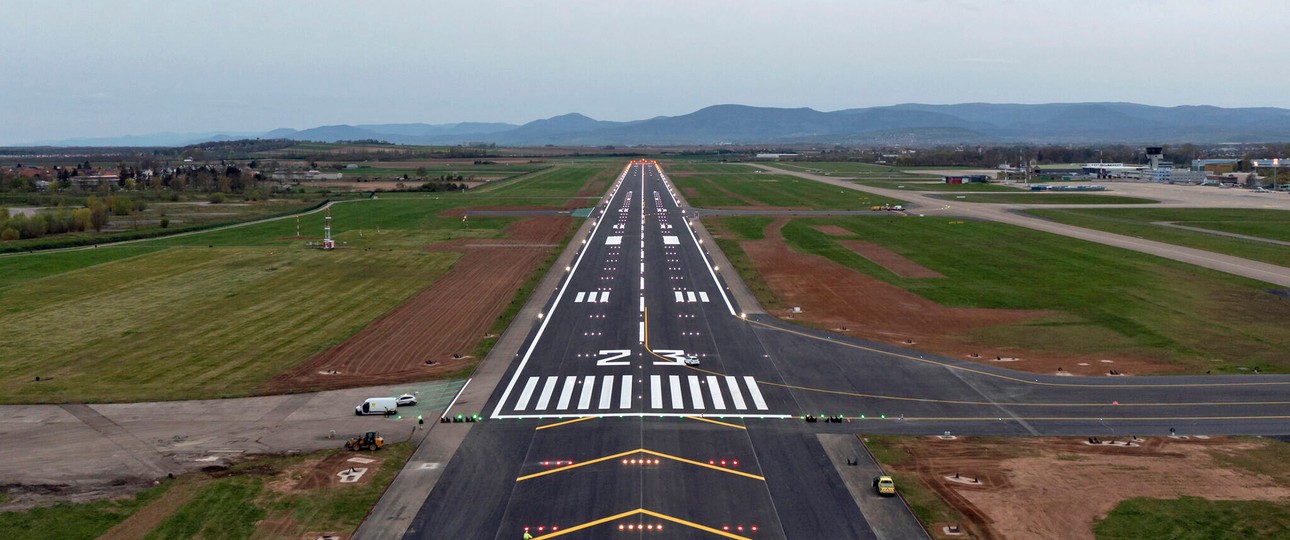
(905, 124)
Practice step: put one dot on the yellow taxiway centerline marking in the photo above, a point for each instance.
(558, 424)
(702, 419)
(651, 513)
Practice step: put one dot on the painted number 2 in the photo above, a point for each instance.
(613, 358)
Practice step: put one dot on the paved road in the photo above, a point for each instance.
(599, 428)
(1170, 196)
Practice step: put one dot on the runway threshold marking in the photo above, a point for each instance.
(640, 451)
(651, 513)
(558, 424)
(702, 419)
(997, 375)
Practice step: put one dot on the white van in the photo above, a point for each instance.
(377, 405)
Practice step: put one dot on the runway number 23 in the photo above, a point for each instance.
(615, 357)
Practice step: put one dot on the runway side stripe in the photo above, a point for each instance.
(625, 401)
(526, 394)
(675, 382)
(545, 398)
(696, 392)
(528, 353)
(703, 255)
(566, 393)
(714, 388)
(584, 399)
(655, 392)
(755, 393)
(606, 392)
(578, 298)
(736, 396)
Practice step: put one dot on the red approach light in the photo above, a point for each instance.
(621, 526)
(754, 528)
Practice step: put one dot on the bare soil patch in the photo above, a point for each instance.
(890, 260)
(833, 230)
(447, 318)
(149, 517)
(843, 300)
(1055, 487)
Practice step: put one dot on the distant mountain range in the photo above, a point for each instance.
(909, 124)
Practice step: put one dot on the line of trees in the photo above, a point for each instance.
(94, 215)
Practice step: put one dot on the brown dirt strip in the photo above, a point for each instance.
(448, 317)
(149, 517)
(890, 260)
(1056, 487)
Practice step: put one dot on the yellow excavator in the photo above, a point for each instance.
(369, 441)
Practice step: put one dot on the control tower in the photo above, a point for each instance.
(1155, 154)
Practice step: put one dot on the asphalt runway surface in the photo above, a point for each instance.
(601, 429)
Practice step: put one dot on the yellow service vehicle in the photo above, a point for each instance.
(884, 485)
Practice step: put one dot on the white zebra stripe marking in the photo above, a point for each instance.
(755, 393)
(566, 393)
(696, 392)
(545, 398)
(588, 386)
(526, 394)
(736, 396)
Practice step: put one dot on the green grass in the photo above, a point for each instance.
(223, 509)
(1105, 300)
(938, 186)
(1187, 518)
(726, 189)
(68, 521)
(1270, 224)
(1270, 458)
(1046, 198)
(219, 313)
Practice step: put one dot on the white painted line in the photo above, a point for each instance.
(566, 393)
(604, 297)
(579, 297)
(460, 391)
(545, 397)
(680, 296)
(675, 382)
(718, 402)
(690, 296)
(642, 330)
(584, 400)
(642, 283)
(654, 414)
(706, 262)
(606, 392)
(696, 392)
(703, 296)
(642, 263)
(548, 316)
(625, 393)
(655, 392)
(755, 393)
(671, 240)
(526, 394)
(736, 396)
(613, 240)
(642, 304)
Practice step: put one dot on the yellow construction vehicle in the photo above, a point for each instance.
(369, 441)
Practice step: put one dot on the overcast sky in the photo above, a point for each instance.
(116, 67)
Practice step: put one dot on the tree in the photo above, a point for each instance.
(98, 216)
(81, 219)
(9, 233)
(421, 172)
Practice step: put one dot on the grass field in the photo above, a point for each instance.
(1270, 224)
(923, 185)
(726, 185)
(85, 521)
(1110, 301)
(1194, 518)
(1046, 198)
(218, 313)
(226, 505)
(926, 505)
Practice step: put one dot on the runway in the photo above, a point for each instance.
(602, 426)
